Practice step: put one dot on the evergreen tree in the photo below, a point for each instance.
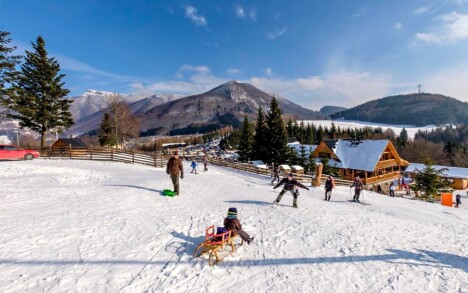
(403, 138)
(7, 70)
(328, 169)
(319, 135)
(260, 141)
(429, 180)
(106, 134)
(38, 96)
(278, 138)
(246, 142)
(289, 128)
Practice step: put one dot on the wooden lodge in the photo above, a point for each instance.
(457, 176)
(372, 160)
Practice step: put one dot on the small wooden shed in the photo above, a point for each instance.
(285, 168)
(74, 143)
(297, 169)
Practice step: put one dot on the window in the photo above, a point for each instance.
(385, 157)
(324, 155)
(10, 148)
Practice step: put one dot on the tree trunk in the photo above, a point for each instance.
(43, 138)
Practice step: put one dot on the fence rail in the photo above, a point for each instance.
(158, 159)
(267, 172)
(104, 154)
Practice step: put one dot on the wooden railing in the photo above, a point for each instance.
(104, 154)
(250, 168)
(159, 159)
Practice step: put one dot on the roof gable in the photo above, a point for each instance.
(359, 155)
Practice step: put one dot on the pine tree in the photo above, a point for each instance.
(278, 138)
(429, 180)
(246, 142)
(403, 138)
(106, 134)
(260, 141)
(7, 71)
(38, 96)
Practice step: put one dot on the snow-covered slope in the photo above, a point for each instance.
(84, 226)
(93, 101)
(343, 124)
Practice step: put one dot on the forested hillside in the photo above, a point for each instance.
(413, 109)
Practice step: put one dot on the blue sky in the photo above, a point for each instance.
(315, 53)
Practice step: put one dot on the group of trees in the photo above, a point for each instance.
(35, 94)
(268, 141)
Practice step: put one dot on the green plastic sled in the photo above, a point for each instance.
(168, 192)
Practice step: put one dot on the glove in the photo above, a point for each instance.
(307, 188)
(181, 176)
(274, 187)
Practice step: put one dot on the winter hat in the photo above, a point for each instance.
(290, 175)
(232, 213)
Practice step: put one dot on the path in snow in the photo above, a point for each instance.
(104, 227)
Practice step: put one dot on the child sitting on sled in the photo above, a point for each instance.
(233, 224)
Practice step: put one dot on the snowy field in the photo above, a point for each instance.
(411, 129)
(84, 226)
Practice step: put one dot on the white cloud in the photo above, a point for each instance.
(239, 10)
(199, 69)
(454, 27)
(450, 82)
(253, 14)
(421, 10)
(233, 71)
(192, 14)
(276, 33)
(268, 71)
(398, 26)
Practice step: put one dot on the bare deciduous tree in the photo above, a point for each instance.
(124, 123)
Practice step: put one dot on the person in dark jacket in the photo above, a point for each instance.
(289, 185)
(276, 172)
(357, 188)
(329, 184)
(233, 224)
(175, 168)
(457, 200)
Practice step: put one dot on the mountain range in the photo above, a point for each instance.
(227, 103)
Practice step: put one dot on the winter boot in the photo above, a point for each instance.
(295, 206)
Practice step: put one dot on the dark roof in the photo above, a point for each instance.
(74, 142)
(331, 143)
(292, 139)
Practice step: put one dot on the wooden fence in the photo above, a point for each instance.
(105, 154)
(250, 168)
(158, 159)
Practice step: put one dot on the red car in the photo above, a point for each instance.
(11, 152)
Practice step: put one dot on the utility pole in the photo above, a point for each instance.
(419, 88)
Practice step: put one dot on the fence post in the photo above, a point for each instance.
(112, 154)
(133, 157)
(91, 151)
(154, 156)
(70, 152)
(50, 150)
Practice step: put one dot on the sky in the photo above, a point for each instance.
(315, 53)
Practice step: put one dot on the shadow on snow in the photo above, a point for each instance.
(395, 256)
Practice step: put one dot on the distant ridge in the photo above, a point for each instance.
(413, 109)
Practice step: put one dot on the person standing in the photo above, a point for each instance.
(357, 188)
(175, 168)
(289, 185)
(458, 200)
(194, 167)
(276, 172)
(205, 163)
(392, 189)
(329, 185)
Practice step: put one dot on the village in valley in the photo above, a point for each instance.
(199, 168)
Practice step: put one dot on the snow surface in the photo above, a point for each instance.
(411, 129)
(85, 226)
